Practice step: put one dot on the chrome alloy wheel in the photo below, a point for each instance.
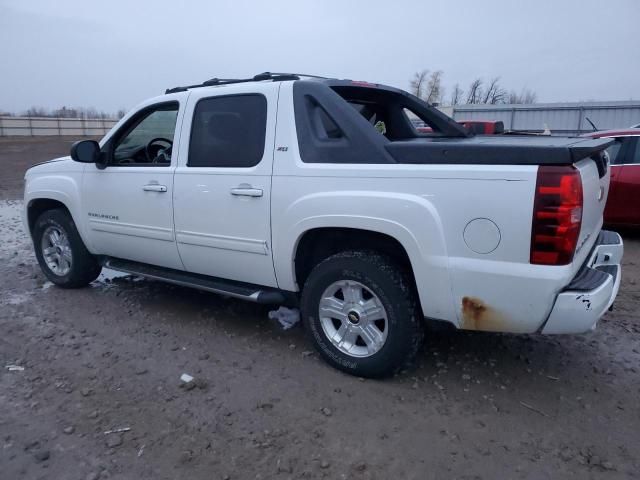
(56, 250)
(353, 318)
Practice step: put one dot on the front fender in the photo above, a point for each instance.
(411, 219)
(62, 188)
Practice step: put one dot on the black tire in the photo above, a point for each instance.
(382, 277)
(84, 267)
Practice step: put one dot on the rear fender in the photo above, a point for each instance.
(411, 219)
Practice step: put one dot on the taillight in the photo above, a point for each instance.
(557, 215)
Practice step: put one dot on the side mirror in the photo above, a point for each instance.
(85, 151)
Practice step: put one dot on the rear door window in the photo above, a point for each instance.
(228, 131)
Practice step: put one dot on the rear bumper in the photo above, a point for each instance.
(580, 304)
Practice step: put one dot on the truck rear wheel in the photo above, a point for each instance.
(360, 311)
(60, 251)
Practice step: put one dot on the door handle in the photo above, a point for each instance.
(246, 192)
(154, 187)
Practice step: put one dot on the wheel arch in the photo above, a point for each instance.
(37, 206)
(316, 244)
(46, 189)
(37, 202)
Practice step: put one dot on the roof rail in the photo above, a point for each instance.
(274, 77)
(302, 75)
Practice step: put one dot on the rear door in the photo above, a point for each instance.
(222, 184)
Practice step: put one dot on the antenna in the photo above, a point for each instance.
(593, 125)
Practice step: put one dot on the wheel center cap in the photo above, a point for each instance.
(353, 317)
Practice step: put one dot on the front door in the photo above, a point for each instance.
(223, 184)
(128, 204)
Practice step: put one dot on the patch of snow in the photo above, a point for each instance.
(287, 317)
(12, 234)
(16, 298)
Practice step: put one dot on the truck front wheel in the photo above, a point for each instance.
(60, 251)
(360, 311)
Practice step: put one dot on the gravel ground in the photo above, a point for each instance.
(109, 357)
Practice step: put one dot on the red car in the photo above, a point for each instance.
(479, 127)
(623, 204)
(483, 127)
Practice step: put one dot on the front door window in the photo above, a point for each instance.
(148, 141)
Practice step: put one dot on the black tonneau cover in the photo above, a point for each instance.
(497, 150)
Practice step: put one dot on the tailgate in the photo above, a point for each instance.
(592, 162)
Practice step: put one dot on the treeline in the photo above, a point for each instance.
(428, 86)
(67, 112)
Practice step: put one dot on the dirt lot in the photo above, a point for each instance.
(110, 357)
(19, 153)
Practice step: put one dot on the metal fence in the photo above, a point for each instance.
(41, 126)
(560, 118)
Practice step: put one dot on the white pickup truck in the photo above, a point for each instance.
(298, 190)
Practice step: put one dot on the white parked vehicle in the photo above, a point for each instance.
(287, 189)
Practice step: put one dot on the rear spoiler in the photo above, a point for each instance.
(592, 148)
(588, 148)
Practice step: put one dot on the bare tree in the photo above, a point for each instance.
(90, 112)
(488, 92)
(456, 94)
(494, 92)
(65, 112)
(428, 86)
(36, 112)
(418, 84)
(525, 96)
(70, 112)
(474, 94)
(434, 91)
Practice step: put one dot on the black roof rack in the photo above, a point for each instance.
(274, 77)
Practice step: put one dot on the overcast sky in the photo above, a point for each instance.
(113, 54)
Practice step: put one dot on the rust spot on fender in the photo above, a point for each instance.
(477, 315)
